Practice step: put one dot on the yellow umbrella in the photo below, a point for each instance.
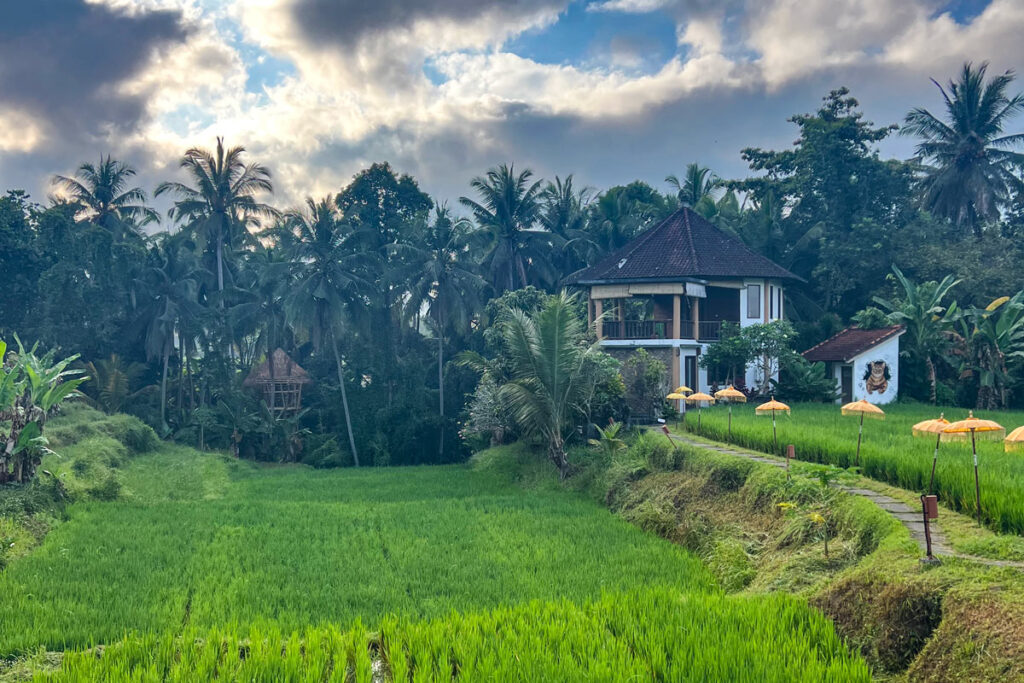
(698, 398)
(985, 429)
(864, 409)
(938, 428)
(730, 395)
(772, 407)
(1014, 441)
(679, 394)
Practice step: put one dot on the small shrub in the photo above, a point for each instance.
(135, 434)
(108, 489)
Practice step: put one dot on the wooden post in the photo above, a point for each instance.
(620, 305)
(598, 320)
(676, 321)
(696, 320)
(790, 454)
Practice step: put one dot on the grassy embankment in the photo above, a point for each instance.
(956, 621)
(201, 565)
(889, 453)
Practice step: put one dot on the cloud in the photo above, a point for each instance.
(629, 6)
(62, 60)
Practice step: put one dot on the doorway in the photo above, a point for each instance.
(846, 383)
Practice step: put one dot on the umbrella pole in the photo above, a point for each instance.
(860, 432)
(775, 435)
(977, 484)
(935, 458)
(698, 417)
(730, 422)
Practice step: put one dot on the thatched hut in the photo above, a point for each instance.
(280, 380)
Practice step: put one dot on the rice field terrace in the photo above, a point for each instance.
(889, 452)
(207, 567)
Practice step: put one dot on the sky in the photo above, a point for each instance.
(607, 90)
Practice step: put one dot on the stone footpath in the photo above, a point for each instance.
(908, 517)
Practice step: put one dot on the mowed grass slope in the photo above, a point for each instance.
(889, 452)
(201, 541)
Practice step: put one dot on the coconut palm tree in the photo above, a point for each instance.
(106, 199)
(508, 209)
(969, 174)
(548, 356)
(220, 206)
(698, 182)
(564, 213)
(169, 302)
(443, 278)
(327, 282)
(923, 311)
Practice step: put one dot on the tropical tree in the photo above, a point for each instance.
(991, 345)
(443, 278)
(922, 309)
(697, 187)
(220, 206)
(969, 174)
(326, 284)
(31, 386)
(113, 382)
(547, 353)
(105, 196)
(564, 213)
(169, 302)
(508, 209)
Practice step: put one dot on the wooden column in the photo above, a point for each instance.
(696, 318)
(598, 320)
(676, 320)
(676, 380)
(620, 305)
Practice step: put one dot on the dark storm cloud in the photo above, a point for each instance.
(60, 61)
(345, 22)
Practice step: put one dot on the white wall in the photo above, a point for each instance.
(888, 352)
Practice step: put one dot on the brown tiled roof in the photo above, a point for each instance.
(285, 370)
(850, 343)
(684, 245)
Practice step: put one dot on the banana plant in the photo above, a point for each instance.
(990, 342)
(31, 386)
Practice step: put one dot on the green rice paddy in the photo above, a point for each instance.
(889, 453)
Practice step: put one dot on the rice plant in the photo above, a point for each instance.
(890, 453)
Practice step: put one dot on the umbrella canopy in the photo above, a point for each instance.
(700, 396)
(731, 395)
(936, 427)
(1014, 440)
(864, 408)
(982, 429)
(679, 393)
(771, 407)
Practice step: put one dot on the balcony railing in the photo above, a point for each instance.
(707, 330)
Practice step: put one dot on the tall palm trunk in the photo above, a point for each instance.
(344, 400)
(440, 390)
(163, 387)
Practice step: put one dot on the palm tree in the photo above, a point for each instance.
(105, 197)
(326, 283)
(971, 172)
(509, 207)
(113, 379)
(922, 311)
(220, 206)
(698, 182)
(548, 357)
(564, 213)
(446, 282)
(170, 290)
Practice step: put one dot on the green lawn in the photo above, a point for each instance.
(889, 452)
(208, 567)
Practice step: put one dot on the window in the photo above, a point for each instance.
(771, 303)
(753, 301)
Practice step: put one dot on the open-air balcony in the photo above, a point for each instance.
(660, 328)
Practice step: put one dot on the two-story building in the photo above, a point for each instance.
(671, 288)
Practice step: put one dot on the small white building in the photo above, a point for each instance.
(864, 363)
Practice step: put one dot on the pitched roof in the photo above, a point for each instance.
(684, 245)
(850, 343)
(285, 370)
